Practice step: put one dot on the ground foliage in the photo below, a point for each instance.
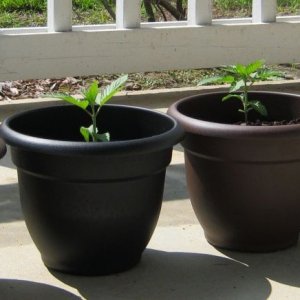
(22, 89)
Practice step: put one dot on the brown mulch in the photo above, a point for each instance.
(24, 89)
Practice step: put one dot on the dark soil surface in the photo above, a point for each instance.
(270, 123)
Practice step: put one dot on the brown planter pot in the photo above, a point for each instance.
(243, 180)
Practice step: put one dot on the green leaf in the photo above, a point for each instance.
(239, 97)
(217, 79)
(236, 86)
(229, 70)
(269, 75)
(103, 137)
(228, 79)
(80, 103)
(214, 79)
(241, 69)
(259, 107)
(109, 91)
(91, 93)
(254, 66)
(85, 132)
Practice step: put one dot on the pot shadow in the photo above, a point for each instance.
(282, 266)
(10, 207)
(175, 275)
(175, 183)
(12, 289)
(6, 160)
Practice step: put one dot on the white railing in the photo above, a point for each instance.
(61, 49)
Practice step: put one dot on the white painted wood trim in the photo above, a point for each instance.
(53, 55)
(199, 12)
(128, 13)
(59, 15)
(264, 11)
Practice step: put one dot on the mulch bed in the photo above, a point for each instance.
(24, 89)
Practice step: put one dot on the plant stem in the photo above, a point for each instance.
(245, 101)
(94, 119)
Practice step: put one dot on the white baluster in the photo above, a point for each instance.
(59, 15)
(264, 11)
(199, 12)
(128, 13)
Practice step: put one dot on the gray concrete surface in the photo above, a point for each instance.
(177, 264)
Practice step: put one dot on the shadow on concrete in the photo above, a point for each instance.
(175, 183)
(175, 275)
(11, 289)
(10, 207)
(6, 160)
(281, 266)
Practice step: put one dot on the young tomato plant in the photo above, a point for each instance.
(241, 78)
(92, 102)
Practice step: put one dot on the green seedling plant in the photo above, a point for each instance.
(92, 102)
(241, 78)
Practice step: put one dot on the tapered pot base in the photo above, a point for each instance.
(254, 246)
(94, 268)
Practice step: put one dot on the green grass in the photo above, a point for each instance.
(40, 5)
(19, 5)
(22, 13)
(233, 4)
(247, 4)
(26, 19)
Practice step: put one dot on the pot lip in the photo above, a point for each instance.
(142, 145)
(215, 129)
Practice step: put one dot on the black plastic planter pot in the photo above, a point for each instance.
(243, 180)
(91, 208)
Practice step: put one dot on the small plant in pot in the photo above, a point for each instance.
(243, 180)
(91, 205)
(241, 78)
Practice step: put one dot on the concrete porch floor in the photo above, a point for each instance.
(177, 264)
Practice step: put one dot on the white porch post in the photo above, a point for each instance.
(128, 13)
(59, 15)
(264, 11)
(199, 12)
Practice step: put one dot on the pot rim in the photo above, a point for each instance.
(142, 145)
(215, 129)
